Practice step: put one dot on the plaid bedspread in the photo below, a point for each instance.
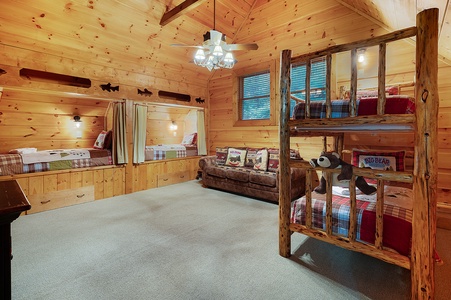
(398, 104)
(11, 164)
(397, 231)
(159, 152)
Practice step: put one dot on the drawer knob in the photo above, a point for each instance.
(44, 202)
(165, 179)
(80, 196)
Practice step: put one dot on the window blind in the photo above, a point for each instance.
(317, 81)
(254, 102)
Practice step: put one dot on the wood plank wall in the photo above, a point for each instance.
(45, 121)
(159, 120)
(325, 31)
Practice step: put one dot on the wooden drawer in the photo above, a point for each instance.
(57, 199)
(172, 178)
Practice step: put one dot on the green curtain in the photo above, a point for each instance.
(139, 133)
(120, 154)
(201, 137)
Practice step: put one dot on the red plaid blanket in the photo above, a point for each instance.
(398, 104)
(10, 164)
(397, 219)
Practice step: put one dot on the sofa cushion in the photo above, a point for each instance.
(260, 188)
(261, 160)
(216, 171)
(273, 160)
(221, 155)
(263, 178)
(236, 157)
(238, 174)
(251, 156)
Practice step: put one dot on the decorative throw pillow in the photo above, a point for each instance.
(188, 139)
(250, 157)
(379, 160)
(221, 155)
(100, 141)
(273, 159)
(235, 157)
(294, 154)
(261, 160)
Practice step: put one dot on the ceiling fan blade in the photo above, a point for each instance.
(232, 47)
(187, 46)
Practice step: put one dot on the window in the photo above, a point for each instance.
(317, 81)
(254, 97)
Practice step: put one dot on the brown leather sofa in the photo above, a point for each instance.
(247, 181)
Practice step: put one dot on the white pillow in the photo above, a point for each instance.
(100, 140)
(188, 139)
(261, 160)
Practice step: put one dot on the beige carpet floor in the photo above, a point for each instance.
(188, 242)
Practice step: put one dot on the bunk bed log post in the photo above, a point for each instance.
(328, 84)
(353, 91)
(352, 210)
(425, 170)
(284, 159)
(381, 84)
(308, 70)
(308, 197)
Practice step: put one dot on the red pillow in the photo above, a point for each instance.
(221, 155)
(108, 142)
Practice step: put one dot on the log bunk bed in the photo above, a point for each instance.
(423, 179)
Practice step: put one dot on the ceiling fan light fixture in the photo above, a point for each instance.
(200, 55)
(217, 51)
(229, 57)
(229, 61)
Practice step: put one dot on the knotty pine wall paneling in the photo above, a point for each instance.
(45, 121)
(315, 27)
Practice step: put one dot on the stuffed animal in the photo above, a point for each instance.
(332, 160)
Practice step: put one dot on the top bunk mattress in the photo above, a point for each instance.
(395, 104)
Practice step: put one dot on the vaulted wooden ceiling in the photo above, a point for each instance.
(127, 35)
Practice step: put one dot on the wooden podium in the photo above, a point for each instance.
(12, 203)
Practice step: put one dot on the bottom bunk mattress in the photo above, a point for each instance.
(168, 151)
(51, 160)
(397, 232)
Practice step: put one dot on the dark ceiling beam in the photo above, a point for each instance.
(179, 10)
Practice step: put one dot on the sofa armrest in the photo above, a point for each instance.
(207, 161)
(297, 177)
